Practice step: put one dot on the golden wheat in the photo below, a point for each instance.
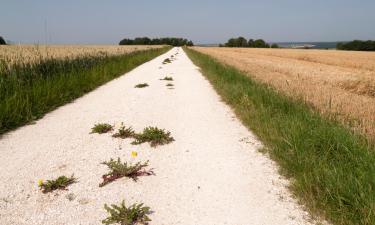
(31, 53)
(339, 83)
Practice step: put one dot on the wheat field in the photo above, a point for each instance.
(337, 83)
(11, 54)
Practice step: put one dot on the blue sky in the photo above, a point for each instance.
(209, 21)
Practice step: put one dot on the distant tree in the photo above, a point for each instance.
(274, 45)
(242, 42)
(260, 43)
(2, 41)
(357, 45)
(251, 43)
(157, 41)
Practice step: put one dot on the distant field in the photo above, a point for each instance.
(31, 53)
(337, 83)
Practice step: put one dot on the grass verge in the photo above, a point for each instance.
(332, 169)
(30, 90)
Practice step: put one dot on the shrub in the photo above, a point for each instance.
(134, 214)
(60, 183)
(143, 85)
(153, 135)
(101, 128)
(119, 170)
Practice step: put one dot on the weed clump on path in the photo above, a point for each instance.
(101, 128)
(143, 85)
(119, 170)
(153, 135)
(166, 61)
(60, 183)
(134, 214)
(124, 132)
(167, 78)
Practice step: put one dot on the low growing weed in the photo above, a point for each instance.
(124, 132)
(60, 183)
(101, 128)
(167, 78)
(153, 135)
(166, 61)
(143, 85)
(119, 170)
(134, 214)
(169, 85)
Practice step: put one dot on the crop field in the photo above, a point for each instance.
(37, 79)
(11, 54)
(340, 84)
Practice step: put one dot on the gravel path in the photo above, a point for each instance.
(212, 174)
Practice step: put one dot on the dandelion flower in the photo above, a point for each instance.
(40, 182)
(134, 154)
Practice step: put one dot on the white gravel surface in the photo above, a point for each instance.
(212, 174)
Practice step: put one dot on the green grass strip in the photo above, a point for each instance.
(332, 170)
(29, 91)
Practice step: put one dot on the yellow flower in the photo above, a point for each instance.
(134, 154)
(40, 182)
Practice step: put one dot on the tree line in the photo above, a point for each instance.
(157, 41)
(241, 42)
(357, 45)
(2, 41)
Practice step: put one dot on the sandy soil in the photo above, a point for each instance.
(212, 174)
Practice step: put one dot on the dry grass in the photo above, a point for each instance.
(31, 53)
(337, 83)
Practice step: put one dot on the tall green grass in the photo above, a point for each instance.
(332, 169)
(30, 90)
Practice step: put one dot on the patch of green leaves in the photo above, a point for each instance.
(101, 128)
(154, 136)
(134, 214)
(119, 170)
(60, 183)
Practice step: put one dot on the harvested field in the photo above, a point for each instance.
(339, 84)
(31, 53)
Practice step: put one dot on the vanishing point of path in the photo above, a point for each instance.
(212, 174)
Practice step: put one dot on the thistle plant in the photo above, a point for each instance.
(143, 85)
(154, 136)
(61, 183)
(134, 214)
(124, 132)
(101, 128)
(119, 170)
